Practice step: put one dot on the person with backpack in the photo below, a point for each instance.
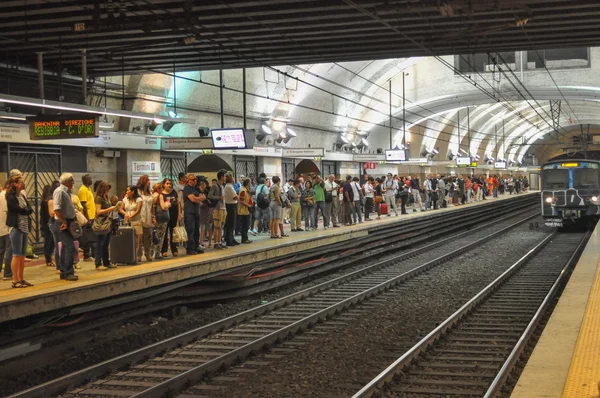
(276, 207)
(261, 208)
(217, 202)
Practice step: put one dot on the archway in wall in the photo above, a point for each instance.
(208, 166)
(307, 166)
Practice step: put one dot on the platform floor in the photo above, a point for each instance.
(566, 360)
(50, 293)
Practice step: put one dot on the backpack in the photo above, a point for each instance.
(262, 201)
(214, 202)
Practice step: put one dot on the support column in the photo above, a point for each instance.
(40, 62)
(84, 75)
(221, 98)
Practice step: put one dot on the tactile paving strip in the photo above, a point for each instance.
(584, 373)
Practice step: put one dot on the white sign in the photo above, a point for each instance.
(500, 165)
(368, 158)
(145, 167)
(228, 138)
(463, 161)
(395, 155)
(187, 143)
(153, 177)
(303, 152)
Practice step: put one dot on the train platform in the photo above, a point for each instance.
(566, 360)
(49, 293)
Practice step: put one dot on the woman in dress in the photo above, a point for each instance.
(147, 215)
(276, 207)
(131, 209)
(103, 209)
(17, 218)
(170, 195)
(162, 216)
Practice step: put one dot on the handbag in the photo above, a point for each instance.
(81, 218)
(74, 229)
(102, 225)
(162, 216)
(378, 198)
(328, 197)
(310, 201)
(180, 234)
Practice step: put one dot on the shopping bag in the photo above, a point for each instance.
(179, 234)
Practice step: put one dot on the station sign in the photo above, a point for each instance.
(63, 126)
(369, 165)
(303, 153)
(500, 165)
(463, 161)
(395, 155)
(187, 143)
(365, 157)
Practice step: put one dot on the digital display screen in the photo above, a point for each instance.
(395, 155)
(465, 161)
(500, 165)
(63, 127)
(569, 164)
(228, 138)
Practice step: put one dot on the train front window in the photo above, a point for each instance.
(555, 179)
(585, 179)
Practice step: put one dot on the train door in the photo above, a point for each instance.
(173, 163)
(245, 165)
(40, 166)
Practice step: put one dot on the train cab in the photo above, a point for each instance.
(570, 192)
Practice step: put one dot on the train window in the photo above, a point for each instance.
(585, 179)
(555, 179)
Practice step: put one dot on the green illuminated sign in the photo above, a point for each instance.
(63, 127)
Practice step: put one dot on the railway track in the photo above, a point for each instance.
(188, 357)
(472, 353)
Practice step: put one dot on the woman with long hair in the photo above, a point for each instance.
(170, 195)
(17, 217)
(276, 207)
(147, 215)
(206, 216)
(308, 206)
(160, 207)
(244, 206)
(103, 209)
(46, 224)
(131, 209)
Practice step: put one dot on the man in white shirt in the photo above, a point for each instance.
(369, 196)
(333, 205)
(357, 196)
(391, 188)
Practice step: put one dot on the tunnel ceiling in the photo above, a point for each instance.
(151, 35)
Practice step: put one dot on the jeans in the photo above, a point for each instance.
(357, 211)
(368, 207)
(245, 225)
(347, 211)
(18, 242)
(89, 247)
(230, 222)
(309, 217)
(323, 207)
(192, 227)
(48, 244)
(101, 254)
(263, 216)
(169, 238)
(403, 202)
(67, 254)
(418, 200)
(4, 248)
(333, 212)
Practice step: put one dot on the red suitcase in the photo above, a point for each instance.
(384, 208)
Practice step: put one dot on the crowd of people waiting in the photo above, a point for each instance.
(213, 213)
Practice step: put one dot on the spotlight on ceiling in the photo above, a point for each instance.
(342, 140)
(168, 125)
(477, 157)
(290, 134)
(264, 133)
(153, 124)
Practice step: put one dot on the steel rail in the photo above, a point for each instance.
(515, 354)
(80, 377)
(396, 367)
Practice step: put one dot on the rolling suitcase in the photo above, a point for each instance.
(122, 246)
(384, 208)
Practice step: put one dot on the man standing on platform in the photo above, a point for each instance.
(4, 233)
(348, 201)
(64, 212)
(86, 197)
(319, 188)
(391, 188)
(331, 198)
(191, 214)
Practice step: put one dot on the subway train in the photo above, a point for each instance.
(571, 192)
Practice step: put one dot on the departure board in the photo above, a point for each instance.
(63, 127)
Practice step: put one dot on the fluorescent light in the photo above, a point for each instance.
(12, 117)
(65, 106)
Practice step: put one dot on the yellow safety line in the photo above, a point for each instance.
(584, 373)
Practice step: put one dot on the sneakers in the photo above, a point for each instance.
(253, 232)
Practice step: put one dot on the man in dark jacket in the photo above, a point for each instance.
(348, 201)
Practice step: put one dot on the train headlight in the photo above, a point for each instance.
(594, 198)
(549, 199)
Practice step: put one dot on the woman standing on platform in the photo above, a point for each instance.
(147, 217)
(162, 216)
(17, 217)
(47, 224)
(244, 208)
(308, 206)
(169, 195)
(130, 209)
(231, 205)
(103, 209)
(378, 197)
(276, 207)
(206, 217)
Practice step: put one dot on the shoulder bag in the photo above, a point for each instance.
(102, 225)
(162, 216)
